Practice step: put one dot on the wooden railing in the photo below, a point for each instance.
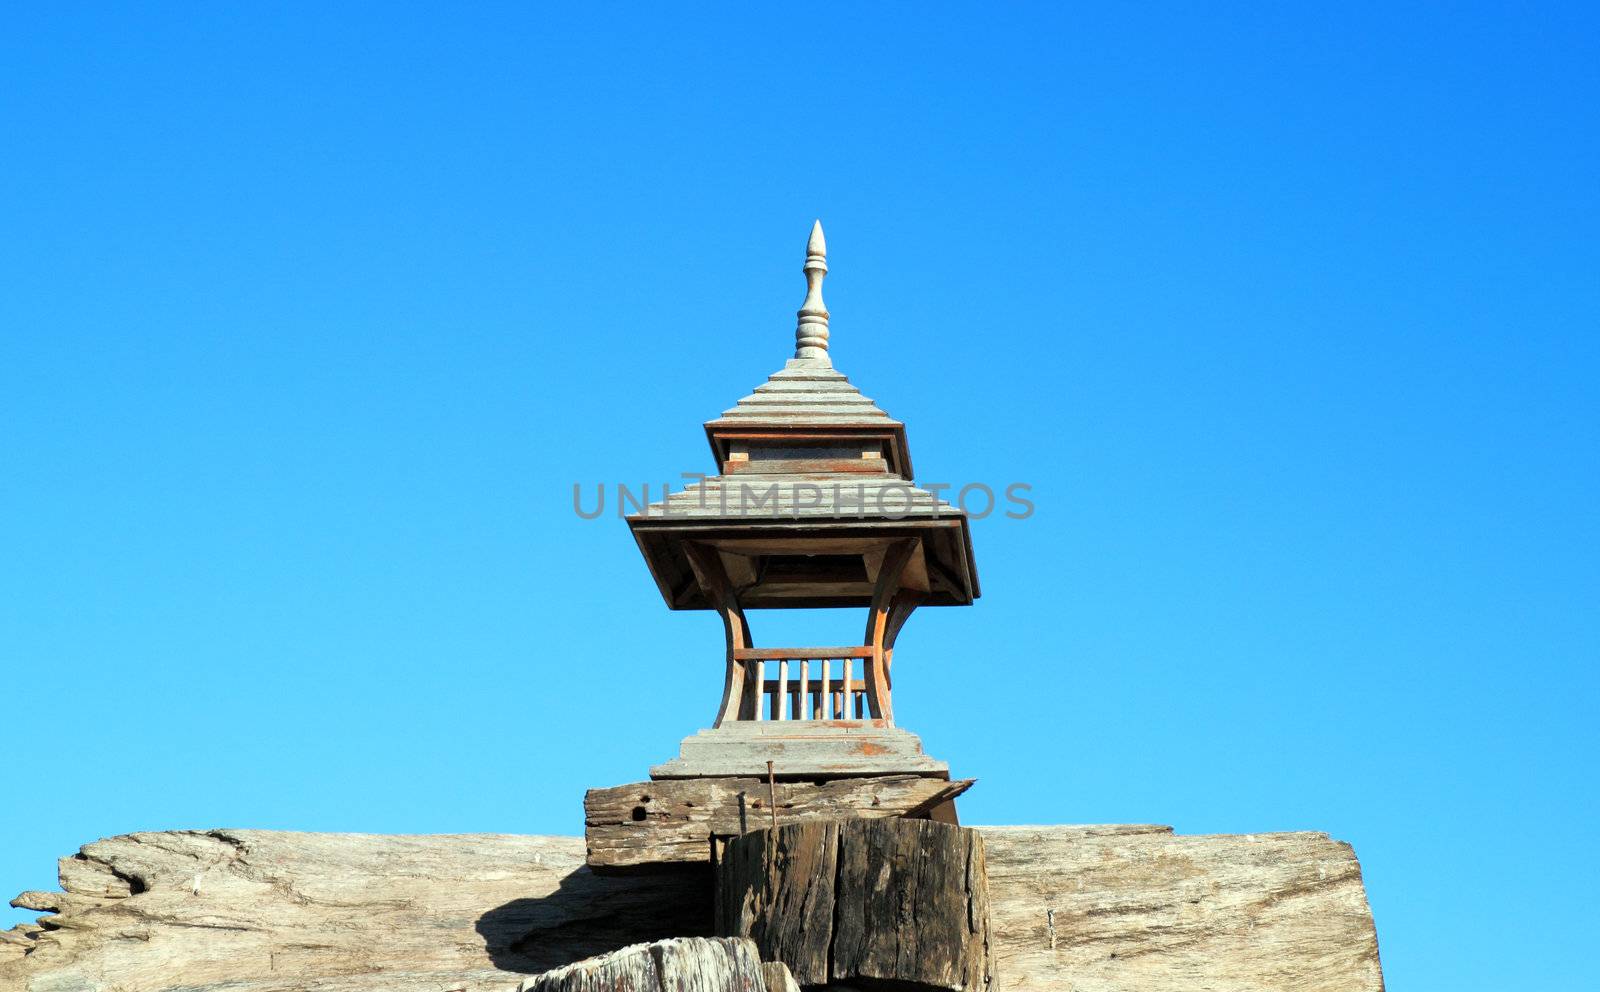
(810, 683)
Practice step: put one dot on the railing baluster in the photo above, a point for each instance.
(828, 695)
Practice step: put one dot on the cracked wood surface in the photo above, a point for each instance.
(859, 902)
(652, 823)
(682, 964)
(1086, 909)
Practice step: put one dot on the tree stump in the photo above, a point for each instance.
(890, 902)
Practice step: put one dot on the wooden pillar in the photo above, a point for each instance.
(878, 634)
(900, 609)
(832, 900)
(741, 694)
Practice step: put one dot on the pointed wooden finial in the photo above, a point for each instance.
(811, 334)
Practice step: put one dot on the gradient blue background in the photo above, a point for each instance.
(312, 319)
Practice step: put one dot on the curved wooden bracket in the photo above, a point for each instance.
(900, 609)
(740, 694)
(879, 638)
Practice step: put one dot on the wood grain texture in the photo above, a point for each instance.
(913, 906)
(687, 964)
(801, 749)
(673, 821)
(1086, 909)
(1113, 909)
(778, 977)
(778, 889)
(888, 902)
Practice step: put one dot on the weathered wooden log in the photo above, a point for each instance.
(684, 964)
(778, 889)
(673, 822)
(1074, 909)
(887, 902)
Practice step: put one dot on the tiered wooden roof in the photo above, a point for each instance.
(810, 396)
(810, 468)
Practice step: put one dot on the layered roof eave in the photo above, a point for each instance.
(820, 507)
(810, 396)
(816, 496)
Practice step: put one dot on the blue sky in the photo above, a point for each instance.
(313, 318)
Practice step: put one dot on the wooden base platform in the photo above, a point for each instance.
(801, 749)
